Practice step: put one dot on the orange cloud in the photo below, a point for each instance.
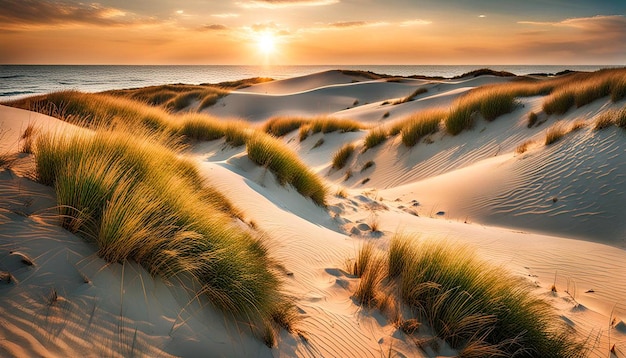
(35, 13)
(269, 4)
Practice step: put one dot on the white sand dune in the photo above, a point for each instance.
(471, 188)
(331, 93)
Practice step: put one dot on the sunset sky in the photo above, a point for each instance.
(291, 32)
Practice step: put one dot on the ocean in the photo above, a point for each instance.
(25, 80)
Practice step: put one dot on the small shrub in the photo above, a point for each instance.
(459, 119)
(491, 102)
(28, 138)
(409, 326)
(183, 100)
(367, 165)
(605, 120)
(367, 292)
(341, 193)
(202, 128)
(364, 258)
(412, 96)
(279, 126)
(286, 315)
(318, 143)
(303, 133)
(400, 254)
(329, 124)
(532, 119)
(420, 124)
(375, 137)
(386, 114)
(340, 158)
(374, 222)
(578, 125)
(620, 118)
(210, 100)
(559, 102)
(618, 90)
(496, 103)
(555, 133)
(285, 164)
(590, 91)
(522, 148)
(236, 133)
(347, 175)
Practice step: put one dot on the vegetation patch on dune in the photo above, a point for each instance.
(106, 111)
(412, 96)
(485, 72)
(555, 133)
(340, 158)
(375, 137)
(201, 127)
(491, 102)
(420, 124)
(586, 88)
(609, 118)
(285, 164)
(178, 97)
(279, 126)
(136, 199)
(97, 110)
(174, 97)
(478, 309)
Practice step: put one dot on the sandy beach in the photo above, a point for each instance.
(551, 215)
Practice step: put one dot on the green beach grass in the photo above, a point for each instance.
(477, 308)
(136, 199)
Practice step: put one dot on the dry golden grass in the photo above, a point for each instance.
(555, 133)
(476, 308)
(605, 120)
(136, 199)
(416, 126)
(532, 119)
(98, 110)
(522, 148)
(269, 152)
(280, 126)
(411, 97)
(340, 158)
(178, 97)
(375, 137)
(584, 88)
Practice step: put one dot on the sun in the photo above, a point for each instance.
(266, 43)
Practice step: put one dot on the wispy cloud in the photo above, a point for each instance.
(214, 27)
(348, 24)
(41, 13)
(584, 36)
(283, 3)
(415, 22)
(226, 15)
(594, 23)
(265, 26)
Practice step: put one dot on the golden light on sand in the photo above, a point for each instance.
(267, 43)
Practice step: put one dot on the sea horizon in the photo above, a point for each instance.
(18, 81)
